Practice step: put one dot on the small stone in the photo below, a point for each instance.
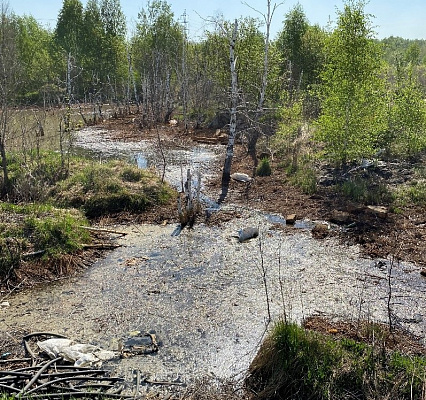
(340, 216)
(290, 219)
(4, 304)
(247, 233)
(423, 272)
(379, 211)
(320, 231)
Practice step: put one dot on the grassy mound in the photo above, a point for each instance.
(51, 201)
(296, 363)
(38, 228)
(110, 188)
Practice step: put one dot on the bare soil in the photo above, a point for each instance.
(401, 235)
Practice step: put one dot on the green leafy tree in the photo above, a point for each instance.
(412, 54)
(301, 47)
(93, 43)
(113, 57)
(290, 43)
(352, 90)
(68, 27)
(34, 44)
(68, 37)
(406, 133)
(250, 50)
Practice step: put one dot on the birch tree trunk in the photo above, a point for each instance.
(226, 174)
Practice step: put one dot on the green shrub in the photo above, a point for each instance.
(417, 193)
(295, 363)
(264, 168)
(366, 191)
(303, 177)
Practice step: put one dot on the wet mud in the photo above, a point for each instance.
(209, 297)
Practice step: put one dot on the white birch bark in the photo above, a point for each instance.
(226, 175)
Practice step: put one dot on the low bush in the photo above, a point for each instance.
(366, 191)
(416, 193)
(264, 168)
(303, 177)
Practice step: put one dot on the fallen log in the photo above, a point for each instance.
(102, 246)
(91, 228)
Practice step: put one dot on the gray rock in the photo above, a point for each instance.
(247, 233)
(240, 177)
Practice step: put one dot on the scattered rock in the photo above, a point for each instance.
(340, 217)
(320, 230)
(290, 219)
(379, 211)
(4, 304)
(247, 233)
(423, 272)
(240, 177)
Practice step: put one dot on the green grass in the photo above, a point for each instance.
(366, 191)
(295, 363)
(35, 227)
(50, 202)
(113, 187)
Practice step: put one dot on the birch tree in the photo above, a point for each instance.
(226, 174)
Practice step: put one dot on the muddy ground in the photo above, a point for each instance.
(402, 235)
(202, 291)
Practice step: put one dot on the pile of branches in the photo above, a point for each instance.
(37, 377)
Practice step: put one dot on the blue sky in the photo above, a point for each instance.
(391, 17)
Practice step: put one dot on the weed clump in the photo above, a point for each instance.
(264, 168)
(297, 363)
(365, 191)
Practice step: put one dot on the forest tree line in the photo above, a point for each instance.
(361, 94)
